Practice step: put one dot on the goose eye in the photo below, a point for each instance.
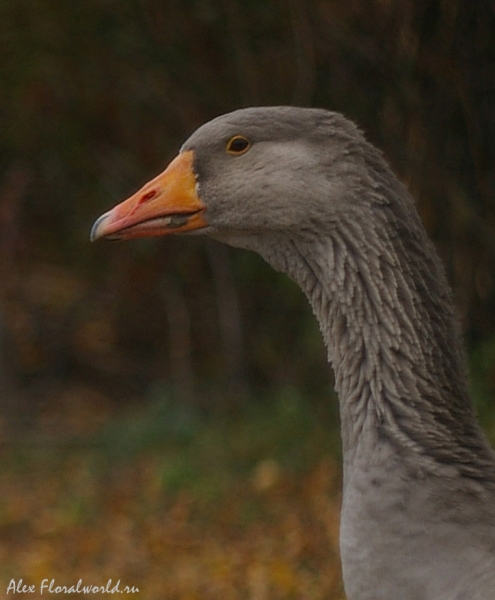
(238, 145)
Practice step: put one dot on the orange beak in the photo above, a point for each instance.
(167, 204)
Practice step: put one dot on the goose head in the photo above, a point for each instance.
(253, 174)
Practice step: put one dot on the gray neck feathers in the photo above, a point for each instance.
(379, 293)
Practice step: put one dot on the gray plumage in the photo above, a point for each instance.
(319, 203)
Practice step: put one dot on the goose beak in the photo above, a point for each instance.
(167, 204)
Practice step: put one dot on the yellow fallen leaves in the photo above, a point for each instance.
(272, 535)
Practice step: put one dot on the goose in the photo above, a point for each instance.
(303, 188)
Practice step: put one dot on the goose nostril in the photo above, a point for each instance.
(148, 196)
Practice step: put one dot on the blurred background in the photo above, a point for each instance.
(166, 409)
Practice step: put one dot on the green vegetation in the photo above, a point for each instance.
(180, 505)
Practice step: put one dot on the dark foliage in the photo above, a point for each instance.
(98, 95)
